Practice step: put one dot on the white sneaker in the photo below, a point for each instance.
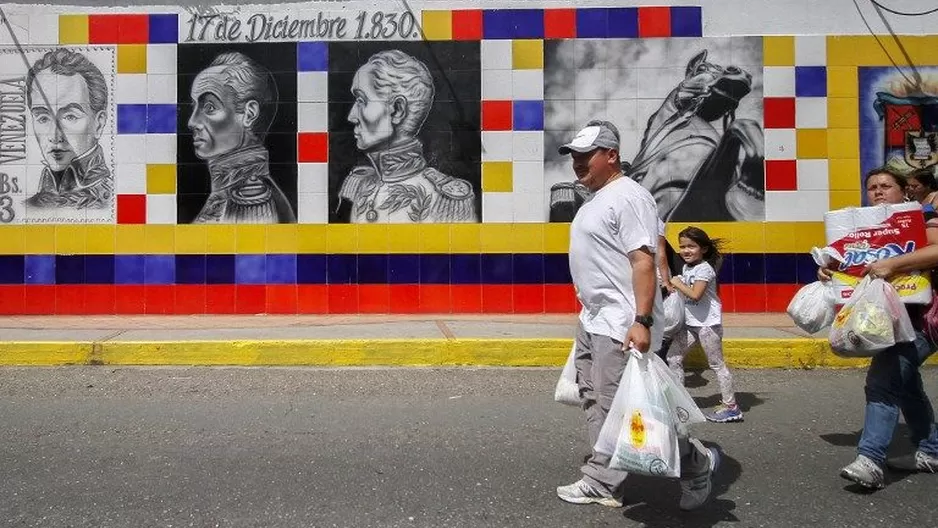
(864, 472)
(582, 493)
(926, 463)
(695, 491)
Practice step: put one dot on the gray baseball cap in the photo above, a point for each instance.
(596, 134)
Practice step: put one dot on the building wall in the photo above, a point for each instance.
(254, 187)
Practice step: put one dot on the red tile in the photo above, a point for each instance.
(405, 299)
(250, 299)
(313, 147)
(779, 112)
(467, 298)
(559, 23)
(467, 24)
(777, 296)
(781, 175)
(190, 299)
(281, 299)
(40, 299)
(312, 298)
(100, 299)
(12, 299)
(528, 298)
(343, 299)
(496, 115)
(560, 298)
(131, 208)
(103, 29)
(750, 298)
(220, 299)
(727, 293)
(654, 22)
(435, 299)
(133, 29)
(496, 298)
(130, 299)
(69, 299)
(160, 299)
(374, 298)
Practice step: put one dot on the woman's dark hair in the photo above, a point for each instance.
(926, 177)
(710, 247)
(899, 178)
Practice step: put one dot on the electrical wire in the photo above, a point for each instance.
(883, 46)
(903, 13)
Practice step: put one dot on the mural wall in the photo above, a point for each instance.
(311, 159)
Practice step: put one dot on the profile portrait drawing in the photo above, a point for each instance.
(393, 93)
(67, 98)
(234, 102)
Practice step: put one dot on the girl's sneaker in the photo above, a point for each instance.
(725, 413)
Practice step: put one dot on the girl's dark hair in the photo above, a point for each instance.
(899, 178)
(709, 246)
(926, 177)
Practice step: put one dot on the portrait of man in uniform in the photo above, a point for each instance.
(67, 98)
(234, 102)
(393, 93)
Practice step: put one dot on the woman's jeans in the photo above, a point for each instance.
(894, 384)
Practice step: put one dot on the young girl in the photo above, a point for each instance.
(703, 315)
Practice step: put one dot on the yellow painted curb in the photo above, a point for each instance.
(739, 353)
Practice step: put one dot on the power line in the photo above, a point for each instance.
(903, 13)
(881, 45)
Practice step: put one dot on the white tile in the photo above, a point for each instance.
(796, 206)
(813, 175)
(313, 117)
(496, 54)
(591, 84)
(20, 25)
(131, 148)
(528, 177)
(496, 146)
(624, 112)
(161, 89)
(312, 87)
(496, 84)
(780, 143)
(161, 208)
(161, 58)
(778, 81)
(528, 146)
(527, 84)
(497, 207)
(131, 88)
(811, 50)
(529, 207)
(586, 110)
(130, 178)
(161, 148)
(312, 178)
(43, 29)
(811, 112)
(312, 208)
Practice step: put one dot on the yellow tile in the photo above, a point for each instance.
(465, 238)
(100, 239)
(811, 143)
(496, 176)
(404, 238)
(922, 49)
(373, 238)
(793, 237)
(131, 239)
(716, 230)
(11, 240)
(844, 175)
(69, 239)
(496, 238)
(132, 58)
(191, 239)
(39, 239)
(841, 199)
(745, 237)
(778, 51)
(220, 239)
(281, 238)
(869, 52)
(556, 237)
(843, 112)
(161, 178)
(843, 143)
(841, 51)
(342, 238)
(250, 239)
(527, 238)
(311, 238)
(161, 239)
(438, 25)
(73, 29)
(434, 238)
(842, 81)
(527, 54)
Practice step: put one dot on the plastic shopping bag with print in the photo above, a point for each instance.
(567, 392)
(872, 320)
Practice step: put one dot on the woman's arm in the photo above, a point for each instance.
(925, 258)
(693, 293)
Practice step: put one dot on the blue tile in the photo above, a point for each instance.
(806, 269)
(466, 269)
(623, 22)
(749, 268)
(190, 269)
(129, 269)
(810, 81)
(780, 269)
(403, 269)
(528, 268)
(40, 269)
(219, 269)
(373, 269)
(592, 23)
(342, 269)
(164, 29)
(12, 269)
(434, 269)
(311, 269)
(159, 269)
(725, 273)
(281, 269)
(69, 269)
(557, 269)
(99, 269)
(250, 269)
(527, 23)
(496, 269)
(528, 115)
(686, 21)
(497, 24)
(131, 119)
(161, 119)
(312, 56)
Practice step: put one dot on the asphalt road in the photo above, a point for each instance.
(141, 447)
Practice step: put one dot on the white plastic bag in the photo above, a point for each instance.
(567, 392)
(872, 320)
(673, 313)
(814, 306)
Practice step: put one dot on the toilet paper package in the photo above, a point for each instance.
(857, 236)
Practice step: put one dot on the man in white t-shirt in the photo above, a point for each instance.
(613, 240)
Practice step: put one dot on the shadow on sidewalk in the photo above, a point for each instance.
(746, 401)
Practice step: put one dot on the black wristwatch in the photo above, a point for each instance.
(645, 320)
